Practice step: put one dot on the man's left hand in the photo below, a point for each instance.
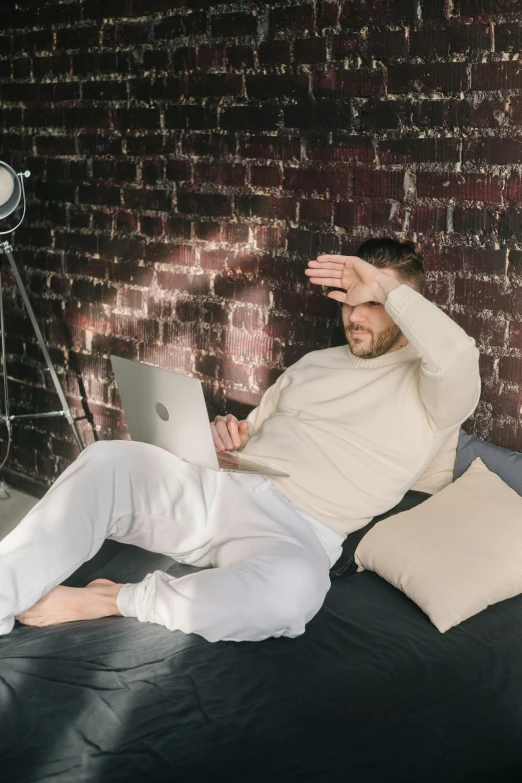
(361, 280)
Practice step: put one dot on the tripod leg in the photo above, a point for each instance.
(7, 250)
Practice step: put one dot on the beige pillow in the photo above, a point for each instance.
(456, 553)
(439, 472)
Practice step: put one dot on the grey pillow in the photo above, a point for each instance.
(505, 463)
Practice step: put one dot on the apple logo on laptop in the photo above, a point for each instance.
(162, 411)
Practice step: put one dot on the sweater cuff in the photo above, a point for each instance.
(399, 298)
(126, 600)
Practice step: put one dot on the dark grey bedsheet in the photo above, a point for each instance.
(371, 692)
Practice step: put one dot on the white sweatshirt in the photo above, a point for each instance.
(355, 434)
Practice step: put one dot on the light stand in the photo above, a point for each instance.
(11, 190)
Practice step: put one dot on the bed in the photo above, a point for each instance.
(372, 691)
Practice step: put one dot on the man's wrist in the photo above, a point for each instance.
(384, 285)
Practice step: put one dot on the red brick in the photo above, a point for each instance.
(475, 221)
(271, 147)
(207, 230)
(438, 257)
(430, 41)
(221, 173)
(147, 198)
(514, 187)
(490, 114)
(181, 25)
(311, 243)
(193, 284)
(310, 50)
(516, 111)
(387, 184)
(292, 19)
(275, 85)
(510, 225)
(199, 85)
(485, 330)
(98, 194)
(150, 226)
(322, 113)
(336, 179)
(212, 204)
(250, 118)
(174, 227)
(485, 8)
(515, 262)
(208, 144)
(347, 45)
(274, 52)
(235, 233)
(211, 56)
(240, 56)
(360, 12)
(327, 13)
(493, 150)
(508, 37)
(433, 113)
(265, 176)
(515, 336)
(184, 58)
(426, 219)
(456, 38)
(408, 77)
(470, 37)
(377, 214)
(387, 43)
(267, 206)
(481, 294)
(496, 76)
(270, 237)
(348, 83)
(479, 261)
(380, 114)
(510, 369)
(463, 186)
(235, 24)
(429, 150)
(158, 252)
(316, 211)
(190, 116)
(351, 148)
(433, 9)
(179, 170)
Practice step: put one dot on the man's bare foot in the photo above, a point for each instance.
(68, 604)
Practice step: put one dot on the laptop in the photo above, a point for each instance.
(167, 409)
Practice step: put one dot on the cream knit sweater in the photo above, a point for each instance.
(356, 434)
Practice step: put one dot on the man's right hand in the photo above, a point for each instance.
(229, 433)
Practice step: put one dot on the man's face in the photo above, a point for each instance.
(370, 331)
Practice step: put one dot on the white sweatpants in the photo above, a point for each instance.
(270, 561)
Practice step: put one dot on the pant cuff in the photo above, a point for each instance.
(7, 625)
(126, 600)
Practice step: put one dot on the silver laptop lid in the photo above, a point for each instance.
(168, 409)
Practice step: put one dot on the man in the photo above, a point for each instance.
(354, 426)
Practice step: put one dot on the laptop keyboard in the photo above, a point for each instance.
(225, 462)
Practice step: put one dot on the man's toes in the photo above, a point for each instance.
(26, 620)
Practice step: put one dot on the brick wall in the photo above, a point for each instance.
(189, 157)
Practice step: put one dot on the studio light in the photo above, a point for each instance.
(11, 192)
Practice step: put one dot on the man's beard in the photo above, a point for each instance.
(373, 346)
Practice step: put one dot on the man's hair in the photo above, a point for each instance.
(403, 255)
